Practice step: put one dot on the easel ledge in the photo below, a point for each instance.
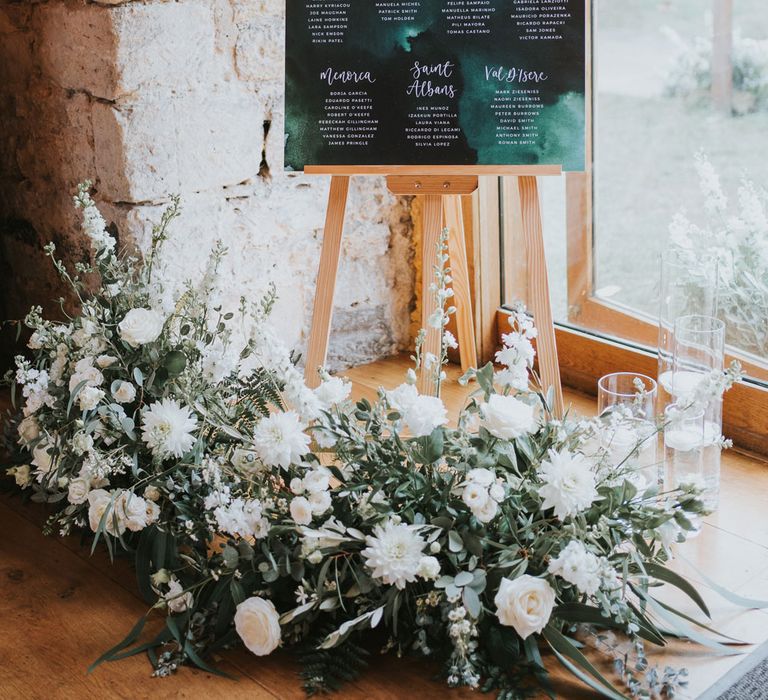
(517, 170)
(441, 187)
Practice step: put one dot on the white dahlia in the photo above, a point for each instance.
(394, 553)
(167, 428)
(569, 483)
(280, 440)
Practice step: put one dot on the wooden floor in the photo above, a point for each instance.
(60, 608)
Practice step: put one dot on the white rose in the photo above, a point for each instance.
(152, 512)
(132, 510)
(141, 326)
(429, 568)
(508, 418)
(258, 625)
(89, 397)
(320, 502)
(301, 511)
(21, 475)
(297, 486)
(484, 477)
(475, 496)
(105, 361)
(152, 493)
(487, 511)
(525, 604)
(99, 501)
(497, 493)
(317, 480)
(78, 490)
(176, 600)
(424, 415)
(41, 457)
(82, 442)
(246, 461)
(125, 393)
(29, 429)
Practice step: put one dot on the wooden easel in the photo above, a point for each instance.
(441, 189)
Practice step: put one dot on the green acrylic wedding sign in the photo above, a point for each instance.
(435, 82)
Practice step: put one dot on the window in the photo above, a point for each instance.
(653, 109)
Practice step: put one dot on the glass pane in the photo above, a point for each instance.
(654, 112)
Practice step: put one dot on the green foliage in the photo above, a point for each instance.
(327, 670)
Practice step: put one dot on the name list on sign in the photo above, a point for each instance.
(378, 82)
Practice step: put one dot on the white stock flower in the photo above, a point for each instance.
(242, 518)
(394, 552)
(176, 598)
(167, 428)
(333, 391)
(507, 418)
(525, 603)
(258, 625)
(578, 566)
(569, 483)
(124, 393)
(89, 397)
(85, 373)
(280, 440)
(301, 511)
(141, 326)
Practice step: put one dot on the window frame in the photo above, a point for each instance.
(600, 336)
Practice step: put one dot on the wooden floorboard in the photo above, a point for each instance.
(60, 608)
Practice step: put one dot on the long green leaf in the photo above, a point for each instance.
(130, 638)
(561, 645)
(732, 640)
(741, 601)
(667, 575)
(680, 626)
(582, 613)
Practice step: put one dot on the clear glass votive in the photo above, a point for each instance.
(631, 393)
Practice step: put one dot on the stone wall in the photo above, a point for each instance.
(152, 98)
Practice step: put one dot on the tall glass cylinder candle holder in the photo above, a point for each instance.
(689, 286)
(684, 444)
(699, 352)
(627, 404)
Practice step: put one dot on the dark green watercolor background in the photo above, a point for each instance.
(388, 50)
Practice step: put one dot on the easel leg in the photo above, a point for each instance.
(433, 226)
(317, 348)
(457, 250)
(539, 289)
